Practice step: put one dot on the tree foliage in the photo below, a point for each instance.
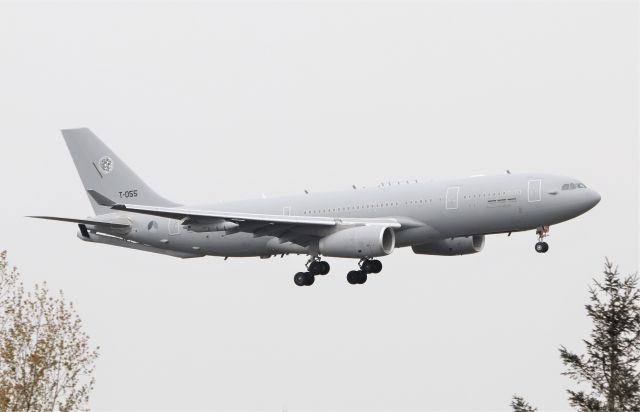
(610, 364)
(46, 361)
(520, 405)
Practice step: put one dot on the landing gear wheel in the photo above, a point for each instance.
(310, 279)
(377, 266)
(356, 277)
(315, 267)
(300, 279)
(352, 277)
(367, 266)
(304, 279)
(370, 266)
(319, 267)
(325, 267)
(542, 247)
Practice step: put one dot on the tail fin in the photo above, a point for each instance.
(102, 170)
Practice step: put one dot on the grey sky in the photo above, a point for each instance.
(219, 101)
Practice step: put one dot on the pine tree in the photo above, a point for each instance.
(613, 350)
(520, 405)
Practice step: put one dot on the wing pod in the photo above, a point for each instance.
(214, 225)
(463, 245)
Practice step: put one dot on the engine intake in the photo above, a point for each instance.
(359, 242)
(463, 245)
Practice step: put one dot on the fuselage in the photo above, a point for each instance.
(428, 211)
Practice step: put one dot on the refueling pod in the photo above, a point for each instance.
(463, 245)
(215, 225)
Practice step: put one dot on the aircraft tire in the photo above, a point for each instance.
(310, 278)
(300, 279)
(315, 267)
(542, 247)
(352, 277)
(377, 266)
(368, 266)
(325, 267)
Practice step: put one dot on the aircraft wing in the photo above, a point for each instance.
(243, 220)
(239, 217)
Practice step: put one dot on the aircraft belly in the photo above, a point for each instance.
(417, 235)
(236, 245)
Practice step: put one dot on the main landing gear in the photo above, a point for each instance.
(542, 246)
(358, 277)
(315, 266)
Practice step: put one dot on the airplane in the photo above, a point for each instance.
(449, 217)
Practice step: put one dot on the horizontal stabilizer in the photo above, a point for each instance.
(91, 222)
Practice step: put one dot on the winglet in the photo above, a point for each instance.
(101, 199)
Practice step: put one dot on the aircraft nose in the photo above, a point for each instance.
(593, 198)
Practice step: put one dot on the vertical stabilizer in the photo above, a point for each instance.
(103, 171)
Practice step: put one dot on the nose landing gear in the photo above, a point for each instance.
(542, 246)
(367, 266)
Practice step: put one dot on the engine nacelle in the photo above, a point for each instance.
(463, 245)
(359, 242)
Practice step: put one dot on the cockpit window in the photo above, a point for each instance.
(572, 186)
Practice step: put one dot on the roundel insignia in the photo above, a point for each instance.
(106, 164)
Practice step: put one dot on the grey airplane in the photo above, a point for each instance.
(449, 217)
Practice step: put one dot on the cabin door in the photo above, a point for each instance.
(452, 197)
(535, 190)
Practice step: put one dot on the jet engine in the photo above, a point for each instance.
(463, 245)
(359, 242)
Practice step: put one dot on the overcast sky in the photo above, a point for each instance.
(211, 102)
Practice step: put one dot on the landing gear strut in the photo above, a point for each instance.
(542, 246)
(315, 266)
(367, 266)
